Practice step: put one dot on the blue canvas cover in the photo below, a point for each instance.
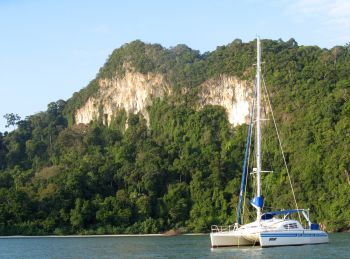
(269, 215)
(257, 202)
(315, 226)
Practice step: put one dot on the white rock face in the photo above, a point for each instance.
(134, 92)
(233, 94)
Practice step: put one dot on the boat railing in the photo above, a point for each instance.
(219, 229)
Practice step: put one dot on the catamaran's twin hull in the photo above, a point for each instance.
(268, 239)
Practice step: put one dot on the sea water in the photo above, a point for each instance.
(184, 246)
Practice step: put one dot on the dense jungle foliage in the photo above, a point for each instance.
(183, 170)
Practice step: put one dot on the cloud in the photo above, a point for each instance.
(328, 12)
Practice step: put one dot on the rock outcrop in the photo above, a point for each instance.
(135, 91)
(233, 94)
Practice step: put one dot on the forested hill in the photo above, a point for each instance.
(180, 168)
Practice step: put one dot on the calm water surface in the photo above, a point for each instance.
(160, 247)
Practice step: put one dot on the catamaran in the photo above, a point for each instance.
(274, 228)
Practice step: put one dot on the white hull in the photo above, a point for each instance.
(229, 238)
(269, 239)
(288, 238)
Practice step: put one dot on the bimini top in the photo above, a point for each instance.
(269, 215)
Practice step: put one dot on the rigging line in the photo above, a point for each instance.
(249, 153)
(280, 144)
(246, 177)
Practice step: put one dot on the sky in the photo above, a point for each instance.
(51, 49)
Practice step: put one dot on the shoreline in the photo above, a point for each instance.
(102, 236)
(114, 235)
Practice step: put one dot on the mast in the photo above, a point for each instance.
(258, 200)
(258, 128)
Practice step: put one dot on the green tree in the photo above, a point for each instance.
(11, 119)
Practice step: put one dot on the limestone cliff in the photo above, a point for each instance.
(233, 94)
(135, 91)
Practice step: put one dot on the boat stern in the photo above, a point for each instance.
(227, 236)
(228, 239)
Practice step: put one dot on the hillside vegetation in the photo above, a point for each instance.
(182, 170)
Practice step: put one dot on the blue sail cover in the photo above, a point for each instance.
(257, 202)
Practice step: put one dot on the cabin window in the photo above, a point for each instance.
(290, 226)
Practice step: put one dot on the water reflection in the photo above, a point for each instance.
(160, 247)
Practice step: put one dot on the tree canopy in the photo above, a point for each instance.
(183, 169)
